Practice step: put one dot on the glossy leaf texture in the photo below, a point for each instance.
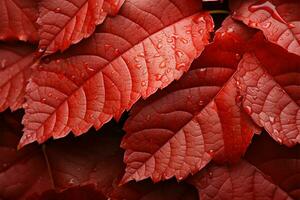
(66, 22)
(106, 74)
(15, 69)
(269, 171)
(17, 20)
(269, 79)
(95, 159)
(278, 20)
(199, 118)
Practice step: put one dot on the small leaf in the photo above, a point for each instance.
(106, 74)
(66, 22)
(278, 20)
(15, 63)
(17, 20)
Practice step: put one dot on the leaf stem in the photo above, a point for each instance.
(219, 12)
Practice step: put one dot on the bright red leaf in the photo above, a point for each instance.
(270, 172)
(15, 64)
(66, 22)
(109, 72)
(269, 79)
(179, 130)
(278, 20)
(17, 20)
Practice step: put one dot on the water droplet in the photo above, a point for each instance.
(210, 174)
(170, 40)
(90, 69)
(203, 69)
(57, 61)
(253, 24)
(248, 110)
(28, 136)
(71, 181)
(188, 31)
(290, 25)
(141, 55)
(266, 25)
(229, 30)
(163, 64)
(25, 105)
(3, 63)
(270, 8)
(279, 140)
(23, 37)
(201, 103)
(117, 52)
(201, 31)
(181, 66)
(138, 66)
(50, 94)
(184, 41)
(211, 151)
(179, 53)
(238, 56)
(144, 83)
(164, 79)
(239, 98)
(272, 119)
(44, 100)
(159, 45)
(41, 50)
(57, 9)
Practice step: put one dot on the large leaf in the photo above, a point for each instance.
(94, 159)
(279, 20)
(15, 63)
(269, 80)
(17, 20)
(109, 72)
(66, 22)
(179, 130)
(270, 172)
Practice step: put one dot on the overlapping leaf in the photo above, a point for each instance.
(65, 22)
(95, 159)
(269, 80)
(267, 165)
(109, 72)
(17, 20)
(179, 130)
(278, 20)
(15, 64)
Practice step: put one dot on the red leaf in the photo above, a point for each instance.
(271, 172)
(179, 130)
(108, 73)
(17, 20)
(269, 80)
(66, 22)
(94, 159)
(278, 20)
(15, 63)
(242, 181)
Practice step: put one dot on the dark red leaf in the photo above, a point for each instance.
(17, 20)
(15, 63)
(269, 79)
(106, 74)
(179, 130)
(66, 22)
(270, 172)
(94, 159)
(279, 20)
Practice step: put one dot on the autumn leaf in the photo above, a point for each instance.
(66, 22)
(17, 20)
(106, 74)
(278, 20)
(269, 166)
(15, 69)
(198, 118)
(269, 82)
(58, 166)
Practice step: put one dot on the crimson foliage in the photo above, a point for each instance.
(201, 112)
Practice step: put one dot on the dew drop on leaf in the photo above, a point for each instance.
(248, 110)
